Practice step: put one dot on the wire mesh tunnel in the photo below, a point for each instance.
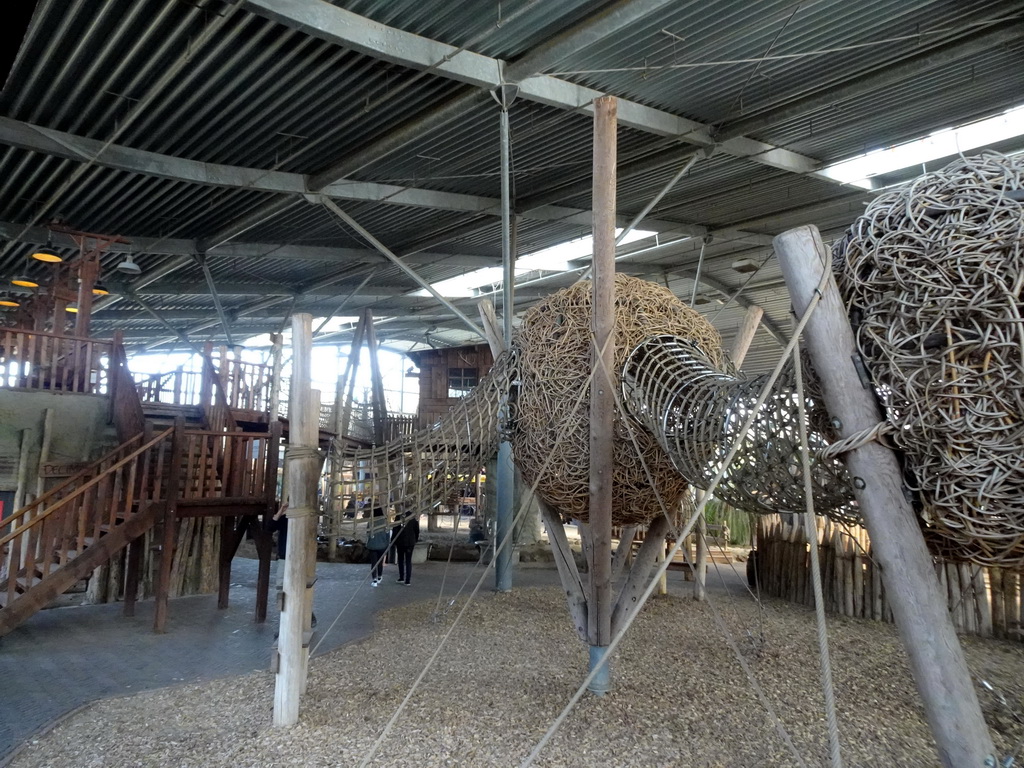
(696, 412)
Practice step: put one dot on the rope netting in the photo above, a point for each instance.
(696, 412)
(932, 274)
(553, 359)
(420, 471)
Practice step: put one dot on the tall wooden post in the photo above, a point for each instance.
(170, 525)
(302, 467)
(88, 272)
(936, 658)
(602, 390)
(739, 352)
(274, 407)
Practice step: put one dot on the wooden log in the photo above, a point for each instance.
(858, 583)
(303, 473)
(936, 658)
(995, 576)
(979, 578)
(602, 389)
(1012, 604)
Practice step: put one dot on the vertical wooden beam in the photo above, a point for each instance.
(226, 555)
(936, 658)
(302, 467)
(88, 271)
(568, 573)
(274, 407)
(131, 578)
(170, 526)
(380, 407)
(602, 390)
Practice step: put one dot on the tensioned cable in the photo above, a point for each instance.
(524, 505)
(810, 524)
(785, 56)
(766, 391)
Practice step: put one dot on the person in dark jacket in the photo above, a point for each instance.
(404, 536)
(377, 540)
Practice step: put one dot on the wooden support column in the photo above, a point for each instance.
(228, 547)
(274, 407)
(602, 390)
(88, 272)
(380, 408)
(302, 467)
(911, 588)
(170, 526)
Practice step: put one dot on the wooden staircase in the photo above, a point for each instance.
(73, 528)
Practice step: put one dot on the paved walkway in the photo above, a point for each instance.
(63, 658)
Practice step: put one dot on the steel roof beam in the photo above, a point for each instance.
(341, 27)
(77, 148)
(236, 249)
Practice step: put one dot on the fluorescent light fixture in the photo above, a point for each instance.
(557, 258)
(945, 143)
(745, 266)
(24, 281)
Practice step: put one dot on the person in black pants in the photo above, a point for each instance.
(377, 540)
(404, 536)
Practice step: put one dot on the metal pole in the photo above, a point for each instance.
(503, 523)
(602, 391)
(936, 658)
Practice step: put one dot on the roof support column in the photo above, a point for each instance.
(504, 520)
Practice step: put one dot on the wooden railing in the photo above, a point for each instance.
(226, 465)
(246, 385)
(43, 536)
(177, 387)
(125, 405)
(52, 362)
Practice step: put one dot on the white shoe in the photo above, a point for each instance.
(374, 583)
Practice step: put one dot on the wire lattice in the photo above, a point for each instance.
(696, 412)
(420, 471)
(932, 275)
(553, 348)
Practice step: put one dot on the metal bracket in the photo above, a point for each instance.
(862, 370)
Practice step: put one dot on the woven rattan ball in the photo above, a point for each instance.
(550, 408)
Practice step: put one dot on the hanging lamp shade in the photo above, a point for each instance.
(128, 266)
(8, 301)
(24, 281)
(72, 308)
(47, 254)
(99, 289)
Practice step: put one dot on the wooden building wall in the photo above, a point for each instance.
(434, 365)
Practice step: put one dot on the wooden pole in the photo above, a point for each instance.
(602, 390)
(936, 658)
(302, 469)
(380, 408)
(274, 408)
(170, 526)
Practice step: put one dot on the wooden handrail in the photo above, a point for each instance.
(85, 486)
(51, 335)
(95, 466)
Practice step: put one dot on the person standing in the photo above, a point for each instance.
(377, 540)
(404, 536)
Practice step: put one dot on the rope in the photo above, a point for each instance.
(524, 505)
(854, 441)
(819, 600)
(613, 644)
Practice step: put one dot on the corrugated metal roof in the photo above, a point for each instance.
(216, 83)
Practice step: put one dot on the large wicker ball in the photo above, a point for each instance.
(551, 422)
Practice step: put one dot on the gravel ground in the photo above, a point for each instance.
(679, 698)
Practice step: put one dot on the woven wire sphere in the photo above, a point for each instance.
(550, 421)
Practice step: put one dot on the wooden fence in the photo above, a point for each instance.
(982, 601)
(52, 362)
